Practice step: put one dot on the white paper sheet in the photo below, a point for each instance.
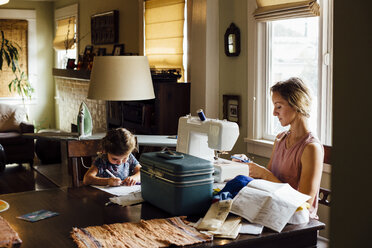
(119, 190)
(267, 203)
(127, 200)
(250, 228)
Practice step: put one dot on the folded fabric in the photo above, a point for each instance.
(301, 216)
(235, 185)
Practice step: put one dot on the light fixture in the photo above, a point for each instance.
(117, 78)
(121, 78)
(4, 2)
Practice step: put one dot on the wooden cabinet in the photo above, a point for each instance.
(156, 116)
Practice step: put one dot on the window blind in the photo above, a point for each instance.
(164, 23)
(65, 34)
(271, 10)
(15, 31)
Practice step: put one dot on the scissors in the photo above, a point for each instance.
(241, 159)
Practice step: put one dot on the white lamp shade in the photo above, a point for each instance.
(121, 78)
(3, 2)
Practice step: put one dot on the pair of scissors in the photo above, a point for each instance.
(241, 159)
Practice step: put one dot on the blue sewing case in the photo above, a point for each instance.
(180, 184)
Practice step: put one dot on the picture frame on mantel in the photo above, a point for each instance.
(105, 28)
(231, 108)
(118, 50)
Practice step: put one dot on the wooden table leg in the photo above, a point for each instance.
(75, 173)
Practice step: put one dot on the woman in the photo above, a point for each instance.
(297, 157)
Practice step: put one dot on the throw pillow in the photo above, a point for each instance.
(10, 117)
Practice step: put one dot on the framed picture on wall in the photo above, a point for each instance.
(231, 108)
(118, 50)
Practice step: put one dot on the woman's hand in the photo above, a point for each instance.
(129, 181)
(114, 181)
(257, 171)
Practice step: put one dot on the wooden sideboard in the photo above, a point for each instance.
(156, 116)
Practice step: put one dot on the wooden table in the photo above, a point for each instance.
(85, 206)
(74, 148)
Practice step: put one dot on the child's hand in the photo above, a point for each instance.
(129, 181)
(114, 181)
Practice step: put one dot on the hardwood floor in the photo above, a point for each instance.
(16, 178)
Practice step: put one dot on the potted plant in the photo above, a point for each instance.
(9, 54)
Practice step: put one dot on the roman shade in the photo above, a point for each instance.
(271, 10)
(65, 34)
(164, 33)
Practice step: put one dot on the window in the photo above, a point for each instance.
(65, 38)
(292, 50)
(165, 35)
(15, 31)
(299, 47)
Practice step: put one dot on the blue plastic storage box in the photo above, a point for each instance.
(180, 186)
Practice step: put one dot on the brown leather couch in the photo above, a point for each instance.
(17, 148)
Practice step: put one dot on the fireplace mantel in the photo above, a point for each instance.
(72, 74)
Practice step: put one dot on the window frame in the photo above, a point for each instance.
(257, 142)
(64, 13)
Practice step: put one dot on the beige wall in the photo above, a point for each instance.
(41, 111)
(129, 22)
(233, 70)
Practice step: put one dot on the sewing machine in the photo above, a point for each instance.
(207, 139)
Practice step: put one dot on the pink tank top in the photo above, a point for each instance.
(286, 164)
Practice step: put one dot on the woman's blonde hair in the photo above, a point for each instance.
(296, 93)
(119, 141)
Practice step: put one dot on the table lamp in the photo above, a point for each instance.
(118, 78)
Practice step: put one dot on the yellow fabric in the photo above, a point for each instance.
(270, 10)
(164, 22)
(65, 34)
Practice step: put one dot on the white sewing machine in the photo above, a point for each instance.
(206, 139)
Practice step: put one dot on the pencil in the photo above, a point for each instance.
(111, 175)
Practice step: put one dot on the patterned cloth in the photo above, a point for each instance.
(146, 233)
(8, 237)
(122, 171)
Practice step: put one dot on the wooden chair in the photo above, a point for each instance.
(324, 194)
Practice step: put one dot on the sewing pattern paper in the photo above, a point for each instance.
(267, 203)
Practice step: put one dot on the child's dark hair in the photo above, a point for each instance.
(119, 141)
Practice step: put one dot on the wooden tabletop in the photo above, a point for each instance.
(142, 139)
(85, 206)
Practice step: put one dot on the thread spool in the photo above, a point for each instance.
(201, 115)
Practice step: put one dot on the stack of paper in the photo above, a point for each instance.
(267, 203)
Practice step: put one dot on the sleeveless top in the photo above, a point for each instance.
(286, 163)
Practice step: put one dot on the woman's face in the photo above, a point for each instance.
(285, 113)
(114, 159)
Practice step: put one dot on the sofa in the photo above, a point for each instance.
(17, 149)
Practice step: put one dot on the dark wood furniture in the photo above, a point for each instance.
(325, 194)
(18, 149)
(157, 116)
(85, 206)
